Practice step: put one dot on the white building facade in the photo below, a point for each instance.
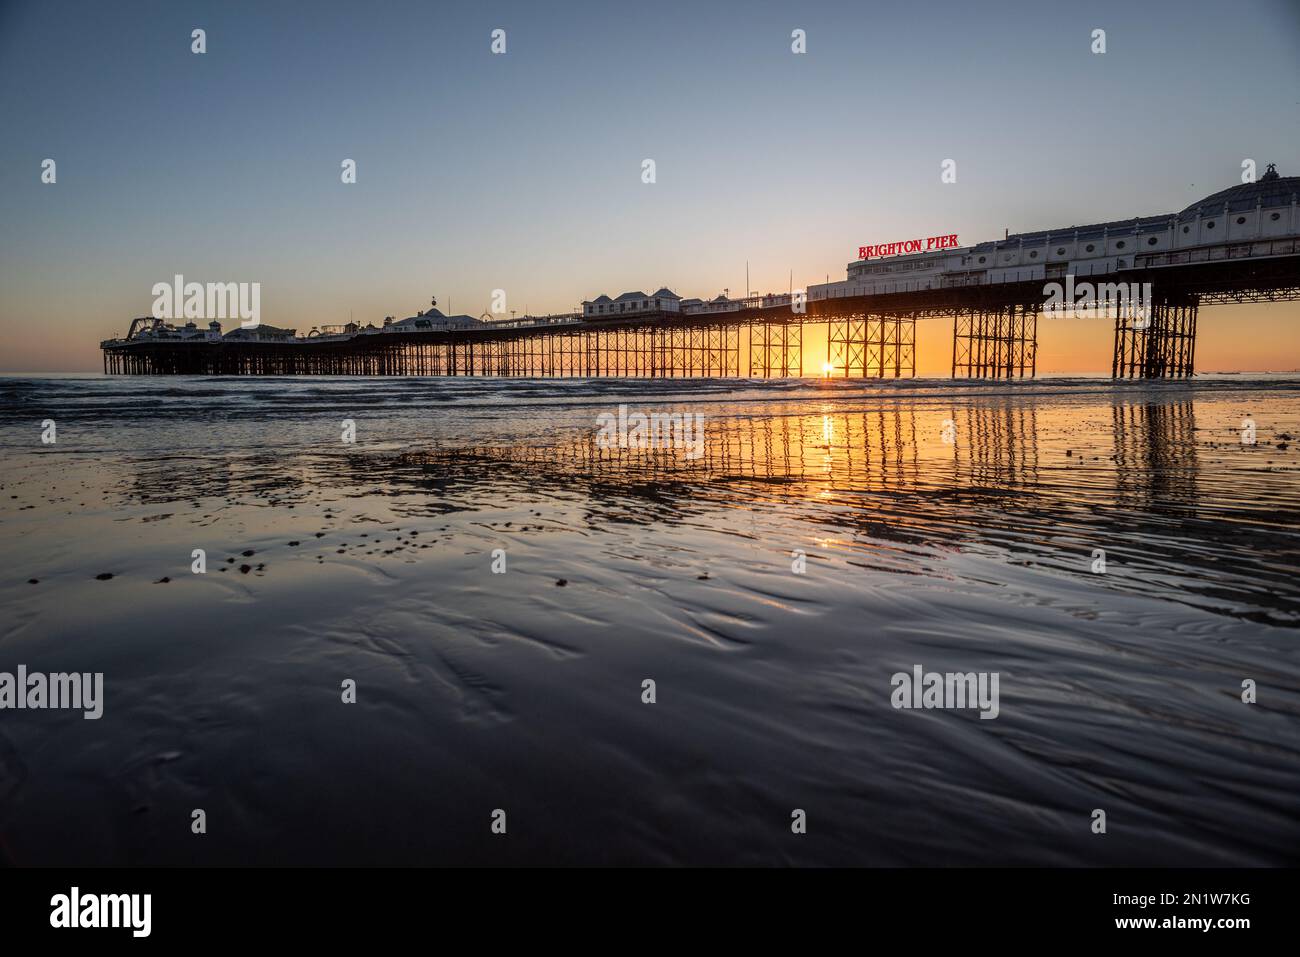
(1241, 221)
(631, 303)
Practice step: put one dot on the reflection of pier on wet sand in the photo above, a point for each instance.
(1130, 475)
(1155, 455)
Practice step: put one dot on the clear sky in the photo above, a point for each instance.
(522, 171)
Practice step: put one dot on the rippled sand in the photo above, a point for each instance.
(476, 691)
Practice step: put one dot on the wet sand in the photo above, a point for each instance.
(372, 561)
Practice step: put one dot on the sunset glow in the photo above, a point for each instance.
(608, 435)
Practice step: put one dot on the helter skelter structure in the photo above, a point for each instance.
(1149, 274)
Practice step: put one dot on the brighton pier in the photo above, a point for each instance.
(1241, 244)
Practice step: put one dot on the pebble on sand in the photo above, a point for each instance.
(562, 582)
(103, 576)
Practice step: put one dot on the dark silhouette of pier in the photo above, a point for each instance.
(995, 332)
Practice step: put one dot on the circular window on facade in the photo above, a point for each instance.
(1187, 229)
(1275, 217)
(982, 258)
(1006, 258)
(1090, 247)
(1033, 254)
(1060, 250)
(1240, 220)
(1210, 224)
(1120, 244)
(1151, 241)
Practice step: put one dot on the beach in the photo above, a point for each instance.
(498, 584)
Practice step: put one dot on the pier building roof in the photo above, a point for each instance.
(1268, 191)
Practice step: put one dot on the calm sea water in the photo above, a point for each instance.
(955, 528)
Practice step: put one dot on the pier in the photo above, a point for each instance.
(1240, 245)
(995, 332)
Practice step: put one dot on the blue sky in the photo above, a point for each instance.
(522, 171)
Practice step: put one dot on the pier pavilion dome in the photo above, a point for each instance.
(1267, 192)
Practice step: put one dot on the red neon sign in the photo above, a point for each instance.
(908, 246)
